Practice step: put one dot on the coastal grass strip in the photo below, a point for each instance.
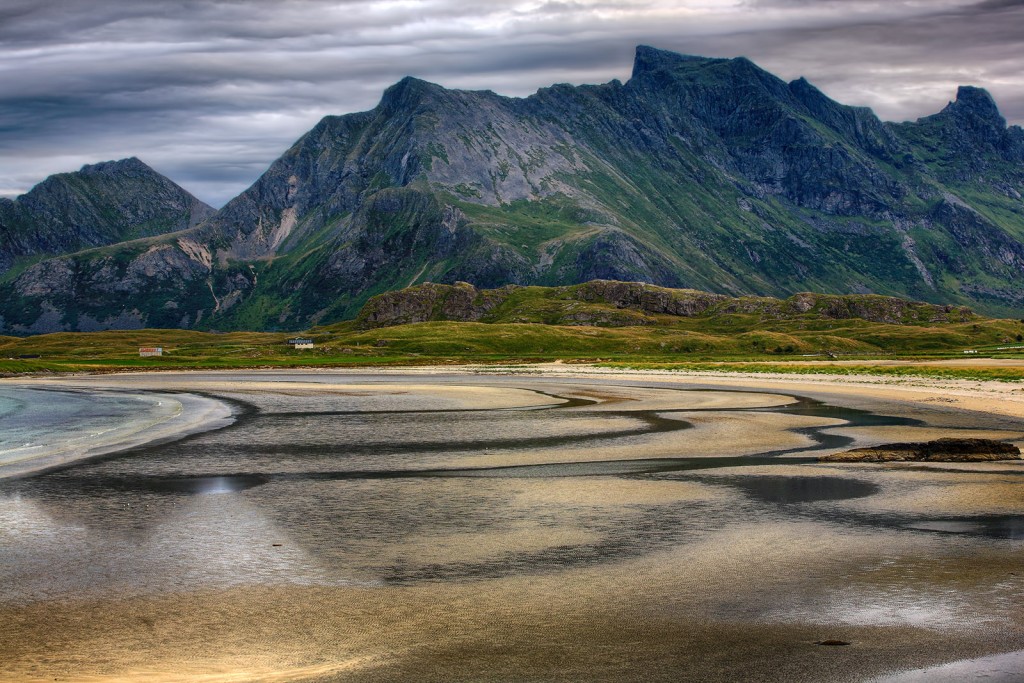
(932, 371)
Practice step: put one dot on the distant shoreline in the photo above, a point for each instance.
(971, 394)
(994, 397)
(1008, 370)
(200, 412)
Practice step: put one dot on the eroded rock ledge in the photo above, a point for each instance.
(939, 450)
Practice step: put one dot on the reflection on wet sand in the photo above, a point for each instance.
(572, 530)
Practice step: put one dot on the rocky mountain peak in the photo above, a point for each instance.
(103, 203)
(129, 165)
(408, 93)
(650, 59)
(805, 91)
(971, 127)
(711, 87)
(976, 103)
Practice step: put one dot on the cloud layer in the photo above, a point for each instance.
(209, 92)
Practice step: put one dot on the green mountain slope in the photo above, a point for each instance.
(703, 173)
(99, 205)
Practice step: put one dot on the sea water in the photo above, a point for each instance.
(46, 427)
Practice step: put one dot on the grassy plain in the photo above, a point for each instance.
(735, 342)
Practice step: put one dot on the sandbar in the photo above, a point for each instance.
(703, 574)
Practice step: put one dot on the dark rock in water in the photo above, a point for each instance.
(832, 642)
(940, 450)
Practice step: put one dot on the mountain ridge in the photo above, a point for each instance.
(703, 173)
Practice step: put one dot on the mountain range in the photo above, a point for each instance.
(700, 173)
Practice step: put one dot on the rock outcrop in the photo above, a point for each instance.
(939, 450)
(461, 301)
(608, 303)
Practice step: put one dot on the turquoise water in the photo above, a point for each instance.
(51, 424)
(7, 404)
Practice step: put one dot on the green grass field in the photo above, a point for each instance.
(736, 342)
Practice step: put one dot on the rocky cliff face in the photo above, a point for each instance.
(696, 173)
(616, 304)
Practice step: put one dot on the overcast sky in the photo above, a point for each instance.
(209, 92)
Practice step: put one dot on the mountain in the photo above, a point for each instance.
(99, 205)
(710, 174)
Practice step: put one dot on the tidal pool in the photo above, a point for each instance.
(355, 527)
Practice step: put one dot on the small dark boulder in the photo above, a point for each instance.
(939, 450)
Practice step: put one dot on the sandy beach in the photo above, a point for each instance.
(554, 523)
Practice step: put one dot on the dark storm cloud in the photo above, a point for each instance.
(907, 65)
(211, 91)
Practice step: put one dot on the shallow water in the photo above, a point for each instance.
(411, 524)
(790, 490)
(999, 526)
(36, 422)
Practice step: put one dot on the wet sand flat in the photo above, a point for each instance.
(560, 526)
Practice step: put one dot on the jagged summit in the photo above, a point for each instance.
(977, 103)
(969, 139)
(713, 88)
(119, 165)
(649, 59)
(408, 92)
(654, 63)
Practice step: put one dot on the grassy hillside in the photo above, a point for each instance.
(726, 341)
